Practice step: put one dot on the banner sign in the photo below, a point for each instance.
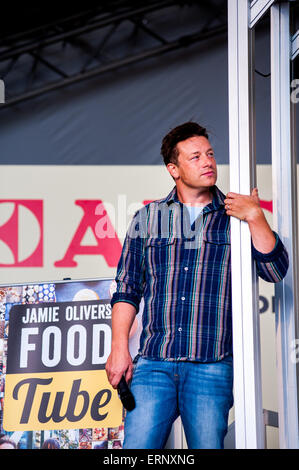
(56, 341)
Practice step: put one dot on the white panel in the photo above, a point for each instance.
(285, 222)
(176, 439)
(247, 379)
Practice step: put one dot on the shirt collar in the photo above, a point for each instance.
(218, 199)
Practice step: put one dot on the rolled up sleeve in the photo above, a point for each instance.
(273, 266)
(130, 270)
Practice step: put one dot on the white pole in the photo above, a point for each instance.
(285, 223)
(247, 378)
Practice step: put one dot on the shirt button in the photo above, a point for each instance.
(182, 298)
(186, 268)
(180, 329)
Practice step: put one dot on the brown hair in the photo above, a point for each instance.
(182, 132)
(51, 444)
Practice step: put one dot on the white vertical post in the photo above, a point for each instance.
(285, 222)
(176, 439)
(246, 341)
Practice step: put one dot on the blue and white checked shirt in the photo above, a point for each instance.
(183, 272)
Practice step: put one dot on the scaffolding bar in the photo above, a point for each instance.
(295, 45)
(257, 9)
(284, 221)
(179, 43)
(247, 368)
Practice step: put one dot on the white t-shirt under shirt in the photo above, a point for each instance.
(194, 211)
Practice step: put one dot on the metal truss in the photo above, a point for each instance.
(104, 38)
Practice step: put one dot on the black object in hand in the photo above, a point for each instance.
(125, 395)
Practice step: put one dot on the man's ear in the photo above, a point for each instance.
(173, 170)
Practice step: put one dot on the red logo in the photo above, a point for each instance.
(21, 233)
(268, 205)
(108, 245)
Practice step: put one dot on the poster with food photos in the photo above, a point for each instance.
(55, 338)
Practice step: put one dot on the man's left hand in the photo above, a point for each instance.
(243, 207)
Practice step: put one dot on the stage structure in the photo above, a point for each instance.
(243, 15)
(91, 34)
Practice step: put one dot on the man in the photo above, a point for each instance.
(177, 256)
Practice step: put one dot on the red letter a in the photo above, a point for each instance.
(109, 247)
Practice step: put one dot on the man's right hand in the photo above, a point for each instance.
(119, 363)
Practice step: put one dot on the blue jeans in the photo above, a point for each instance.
(201, 393)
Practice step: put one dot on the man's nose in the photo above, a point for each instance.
(207, 161)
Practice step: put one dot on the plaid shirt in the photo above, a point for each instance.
(183, 272)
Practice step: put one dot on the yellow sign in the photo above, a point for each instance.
(56, 376)
(60, 400)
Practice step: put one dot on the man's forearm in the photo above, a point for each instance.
(248, 208)
(119, 361)
(262, 236)
(123, 315)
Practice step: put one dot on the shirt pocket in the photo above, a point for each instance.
(159, 254)
(217, 249)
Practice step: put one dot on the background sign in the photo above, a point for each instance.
(78, 233)
(56, 338)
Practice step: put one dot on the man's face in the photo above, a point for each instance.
(196, 166)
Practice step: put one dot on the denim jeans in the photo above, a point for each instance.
(201, 393)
